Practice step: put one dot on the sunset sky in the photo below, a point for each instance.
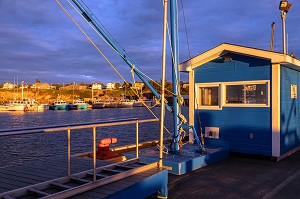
(39, 41)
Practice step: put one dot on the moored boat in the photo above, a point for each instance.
(77, 105)
(59, 105)
(110, 103)
(125, 103)
(98, 104)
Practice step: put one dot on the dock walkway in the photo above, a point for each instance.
(30, 173)
(240, 176)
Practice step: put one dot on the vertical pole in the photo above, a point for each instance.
(283, 16)
(175, 74)
(272, 37)
(137, 138)
(162, 110)
(94, 154)
(69, 152)
(22, 90)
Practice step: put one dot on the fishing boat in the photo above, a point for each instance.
(142, 102)
(110, 103)
(59, 105)
(98, 104)
(77, 105)
(125, 103)
(33, 105)
(19, 105)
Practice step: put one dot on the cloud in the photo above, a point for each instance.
(39, 39)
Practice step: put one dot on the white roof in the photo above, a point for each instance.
(218, 51)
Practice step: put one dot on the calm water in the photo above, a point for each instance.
(16, 149)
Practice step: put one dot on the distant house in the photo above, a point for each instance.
(8, 85)
(110, 86)
(97, 86)
(138, 85)
(39, 85)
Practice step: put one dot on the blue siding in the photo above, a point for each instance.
(235, 126)
(289, 113)
(241, 69)
(236, 123)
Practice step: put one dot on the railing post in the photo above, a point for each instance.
(137, 138)
(69, 152)
(94, 154)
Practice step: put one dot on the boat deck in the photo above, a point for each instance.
(30, 173)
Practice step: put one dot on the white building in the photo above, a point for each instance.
(8, 85)
(96, 86)
(110, 86)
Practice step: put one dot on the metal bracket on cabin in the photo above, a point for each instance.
(201, 149)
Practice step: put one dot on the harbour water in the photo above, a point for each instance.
(16, 149)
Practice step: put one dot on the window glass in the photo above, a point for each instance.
(246, 94)
(209, 96)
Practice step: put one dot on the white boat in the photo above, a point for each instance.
(33, 105)
(97, 104)
(125, 103)
(142, 103)
(110, 103)
(19, 105)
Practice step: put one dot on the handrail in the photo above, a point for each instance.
(53, 128)
(69, 127)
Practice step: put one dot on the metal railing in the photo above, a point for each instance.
(87, 125)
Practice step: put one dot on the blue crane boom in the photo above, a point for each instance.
(90, 18)
(179, 119)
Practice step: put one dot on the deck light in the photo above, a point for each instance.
(284, 6)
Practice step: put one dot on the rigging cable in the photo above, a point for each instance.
(106, 59)
(190, 60)
(122, 56)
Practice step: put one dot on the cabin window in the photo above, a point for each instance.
(208, 96)
(246, 94)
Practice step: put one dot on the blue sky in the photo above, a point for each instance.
(39, 41)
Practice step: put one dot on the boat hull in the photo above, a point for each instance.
(98, 105)
(13, 108)
(58, 107)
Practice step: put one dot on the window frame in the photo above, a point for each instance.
(237, 83)
(197, 99)
(222, 94)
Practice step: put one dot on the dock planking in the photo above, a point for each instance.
(30, 173)
(118, 186)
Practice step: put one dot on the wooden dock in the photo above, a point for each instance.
(30, 173)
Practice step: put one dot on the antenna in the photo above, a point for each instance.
(272, 37)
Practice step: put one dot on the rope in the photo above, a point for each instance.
(83, 32)
(185, 28)
(106, 59)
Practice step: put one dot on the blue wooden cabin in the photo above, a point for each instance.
(245, 99)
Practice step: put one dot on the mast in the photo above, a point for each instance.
(163, 74)
(175, 73)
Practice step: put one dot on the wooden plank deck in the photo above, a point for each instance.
(37, 171)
